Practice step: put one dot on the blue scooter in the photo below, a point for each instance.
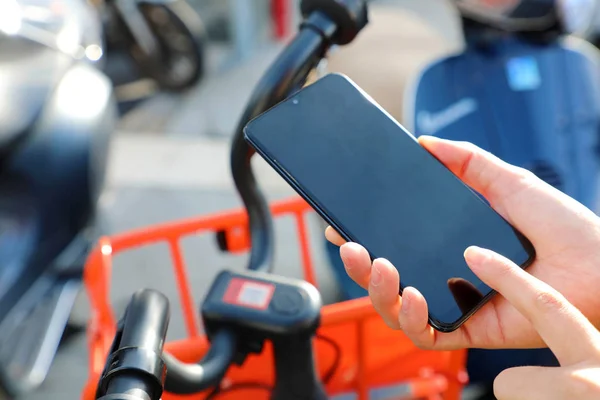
(528, 93)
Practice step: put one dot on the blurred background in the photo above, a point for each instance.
(96, 108)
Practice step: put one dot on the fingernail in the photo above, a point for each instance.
(341, 249)
(476, 256)
(351, 245)
(405, 304)
(347, 247)
(376, 277)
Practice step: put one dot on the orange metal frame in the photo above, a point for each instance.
(372, 355)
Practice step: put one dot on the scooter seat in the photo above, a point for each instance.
(27, 78)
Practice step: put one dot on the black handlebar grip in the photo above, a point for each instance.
(135, 368)
(146, 321)
(350, 16)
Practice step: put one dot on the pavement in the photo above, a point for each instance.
(170, 160)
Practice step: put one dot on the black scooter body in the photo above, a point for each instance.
(54, 133)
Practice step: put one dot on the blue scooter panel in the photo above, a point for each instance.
(536, 106)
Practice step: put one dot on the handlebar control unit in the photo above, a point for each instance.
(257, 307)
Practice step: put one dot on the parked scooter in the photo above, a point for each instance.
(57, 114)
(523, 90)
(165, 39)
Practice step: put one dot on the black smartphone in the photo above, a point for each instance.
(376, 185)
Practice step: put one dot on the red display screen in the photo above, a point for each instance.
(249, 293)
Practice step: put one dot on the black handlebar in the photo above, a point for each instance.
(287, 74)
(135, 369)
(193, 378)
(327, 22)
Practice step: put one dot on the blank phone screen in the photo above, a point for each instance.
(374, 183)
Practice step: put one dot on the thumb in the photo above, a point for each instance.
(531, 383)
(517, 194)
(481, 170)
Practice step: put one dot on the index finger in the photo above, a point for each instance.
(566, 331)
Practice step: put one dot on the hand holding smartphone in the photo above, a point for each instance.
(372, 181)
